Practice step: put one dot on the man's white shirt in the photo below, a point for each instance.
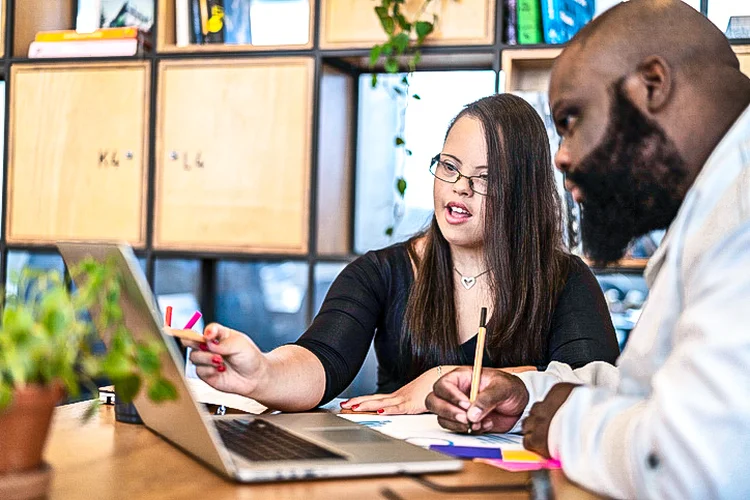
(672, 420)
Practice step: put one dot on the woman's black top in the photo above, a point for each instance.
(368, 299)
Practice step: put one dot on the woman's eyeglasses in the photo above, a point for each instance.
(449, 173)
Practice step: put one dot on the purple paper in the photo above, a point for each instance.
(467, 451)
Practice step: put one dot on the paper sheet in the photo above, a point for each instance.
(204, 393)
(424, 430)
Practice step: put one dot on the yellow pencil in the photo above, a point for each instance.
(478, 355)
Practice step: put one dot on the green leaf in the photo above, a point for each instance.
(375, 54)
(127, 388)
(408, 152)
(389, 231)
(423, 28)
(391, 65)
(403, 23)
(399, 141)
(147, 359)
(91, 410)
(401, 186)
(116, 365)
(6, 396)
(382, 13)
(399, 90)
(162, 390)
(416, 96)
(389, 25)
(374, 80)
(400, 42)
(405, 80)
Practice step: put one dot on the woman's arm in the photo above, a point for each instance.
(581, 329)
(324, 360)
(289, 378)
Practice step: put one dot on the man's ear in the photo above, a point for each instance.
(654, 79)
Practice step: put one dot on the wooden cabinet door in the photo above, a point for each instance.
(353, 23)
(233, 155)
(77, 153)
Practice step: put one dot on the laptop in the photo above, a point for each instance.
(250, 448)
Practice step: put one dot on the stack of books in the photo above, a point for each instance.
(103, 42)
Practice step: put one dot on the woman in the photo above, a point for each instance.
(494, 241)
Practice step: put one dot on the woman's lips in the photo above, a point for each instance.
(456, 213)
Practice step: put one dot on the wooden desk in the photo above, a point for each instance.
(112, 460)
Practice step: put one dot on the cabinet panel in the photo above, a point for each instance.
(353, 23)
(233, 155)
(77, 146)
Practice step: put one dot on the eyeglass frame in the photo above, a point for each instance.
(470, 178)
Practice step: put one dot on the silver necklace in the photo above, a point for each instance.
(469, 281)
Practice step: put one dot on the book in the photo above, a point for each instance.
(100, 34)
(237, 22)
(561, 19)
(196, 21)
(182, 22)
(85, 48)
(529, 22)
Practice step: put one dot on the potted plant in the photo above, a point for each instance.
(46, 336)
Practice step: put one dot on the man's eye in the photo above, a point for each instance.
(566, 122)
(450, 167)
(483, 177)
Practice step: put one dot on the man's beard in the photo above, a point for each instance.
(632, 183)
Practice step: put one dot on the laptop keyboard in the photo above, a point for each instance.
(261, 440)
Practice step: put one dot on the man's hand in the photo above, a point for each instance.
(500, 403)
(536, 425)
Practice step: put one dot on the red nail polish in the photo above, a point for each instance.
(221, 368)
(354, 407)
(203, 347)
(216, 360)
(381, 410)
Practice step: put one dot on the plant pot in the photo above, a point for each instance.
(24, 426)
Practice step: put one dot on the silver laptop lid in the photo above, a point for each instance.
(184, 422)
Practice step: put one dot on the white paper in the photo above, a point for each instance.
(424, 430)
(204, 393)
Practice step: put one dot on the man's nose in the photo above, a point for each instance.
(562, 158)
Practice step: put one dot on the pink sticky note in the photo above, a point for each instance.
(520, 466)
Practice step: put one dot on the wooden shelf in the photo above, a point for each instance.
(166, 42)
(354, 24)
(528, 69)
(638, 264)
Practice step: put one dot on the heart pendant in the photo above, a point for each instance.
(468, 281)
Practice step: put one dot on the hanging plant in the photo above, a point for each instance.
(405, 39)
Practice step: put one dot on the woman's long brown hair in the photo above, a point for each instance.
(523, 249)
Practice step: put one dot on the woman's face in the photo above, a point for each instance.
(459, 210)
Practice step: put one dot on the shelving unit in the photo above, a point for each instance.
(223, 152)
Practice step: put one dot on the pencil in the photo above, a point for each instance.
(478, 355)
(168, 318)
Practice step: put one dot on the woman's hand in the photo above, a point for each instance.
(409, 400)
(519, 369)
(228, 360)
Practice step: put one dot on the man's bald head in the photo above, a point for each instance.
(631, 31)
